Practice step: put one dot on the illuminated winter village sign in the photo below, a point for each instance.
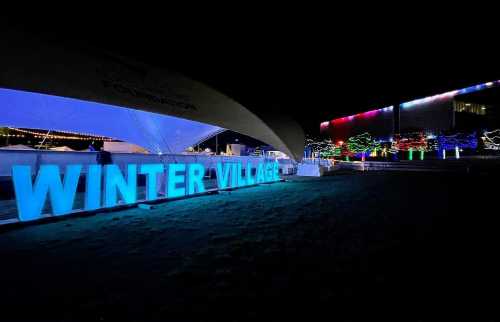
(106, 185)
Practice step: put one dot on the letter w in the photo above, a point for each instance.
(31, 199)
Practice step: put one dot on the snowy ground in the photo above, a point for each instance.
(334, 248)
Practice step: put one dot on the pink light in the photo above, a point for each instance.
(369, 113)
(324, 125)
(364, 114)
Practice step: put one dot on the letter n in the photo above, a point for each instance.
(115, 182)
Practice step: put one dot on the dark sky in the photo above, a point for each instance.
(314, 64)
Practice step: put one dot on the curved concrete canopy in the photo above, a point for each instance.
(37, 66)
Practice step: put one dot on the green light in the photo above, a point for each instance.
(410, 154)
(361, 143)
(347, 158)
(422, 154)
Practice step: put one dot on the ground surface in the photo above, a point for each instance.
(402, 246)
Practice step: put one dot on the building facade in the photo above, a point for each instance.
(456, 110)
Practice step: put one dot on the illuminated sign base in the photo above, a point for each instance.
(106, 187)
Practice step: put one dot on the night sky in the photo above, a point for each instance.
(314, 65)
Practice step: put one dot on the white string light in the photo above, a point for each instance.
(12, 135)
(491, 140)
(81, 137)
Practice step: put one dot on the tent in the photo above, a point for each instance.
(16, 147)
(61, 148)
(155, 132)
(123, 147)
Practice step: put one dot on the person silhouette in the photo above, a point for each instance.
(103, 157)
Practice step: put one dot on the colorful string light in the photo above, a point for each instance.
(362, 143)
(324, 148)
(413, 141)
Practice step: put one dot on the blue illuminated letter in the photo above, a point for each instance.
(195, 178)
(114, 181)
(223, 174)
(93, 187)
(174, 179)
(151, 171)
(250, 179)
(241, 179)
(234, 175)
(269, 172)
(276, 171)
(30, 199)
(260, 173)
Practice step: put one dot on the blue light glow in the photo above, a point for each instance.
(241, 180)
(115, 183)
(223, 174)
(196, 172)
(231, 174)
(260, 173)
(269, 172)
(276, 171)
(234, 175)
(250, 178)
(152, 171)
(93, 187)
(31, 199)
(173, 191)
(463, 141)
